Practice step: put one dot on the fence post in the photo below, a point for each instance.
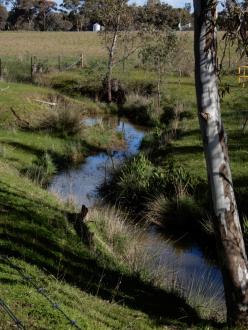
(59, 62)
(31, 68)
(82, 60)
(1, 72)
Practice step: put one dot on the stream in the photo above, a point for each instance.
(187, 265)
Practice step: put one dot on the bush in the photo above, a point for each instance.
(141, 87)
(74, 152)
(138, 179)
(72, 83)
(134, 179)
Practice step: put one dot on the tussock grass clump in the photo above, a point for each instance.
(139, 178)
(114, 233)
(205, 294)
(63, 121)
(41, 170)
(141, 110)
(131, 182)
(176, 214)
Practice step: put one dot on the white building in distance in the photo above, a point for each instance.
(96, 27)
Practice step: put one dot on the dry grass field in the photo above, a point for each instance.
(51, 44)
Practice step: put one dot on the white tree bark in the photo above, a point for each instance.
(229, 237)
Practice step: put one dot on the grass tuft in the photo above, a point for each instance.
(63, 121)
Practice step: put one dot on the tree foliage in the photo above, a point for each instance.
(82, 14)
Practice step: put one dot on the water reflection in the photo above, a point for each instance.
(80, 183)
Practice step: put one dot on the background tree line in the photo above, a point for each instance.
(80, 15)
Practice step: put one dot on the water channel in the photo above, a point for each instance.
(81, 183)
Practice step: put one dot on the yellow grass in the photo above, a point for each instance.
(51, 44)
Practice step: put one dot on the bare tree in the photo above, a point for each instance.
(231, 248)
(115, 17)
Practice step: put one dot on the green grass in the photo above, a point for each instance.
(38, 229)
(90, 312)
(25, 100)
(187, 148)
(39, 232)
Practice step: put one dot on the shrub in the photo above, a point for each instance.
(74, 152)
(141, 87)
(178, 182)
(134, 178)
(138, 179)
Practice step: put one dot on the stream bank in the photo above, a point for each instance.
(186, 266)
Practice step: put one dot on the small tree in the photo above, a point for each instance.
(3, 16)
(115, 17)
(156, 54)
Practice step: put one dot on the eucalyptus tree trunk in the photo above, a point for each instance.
(230, 243)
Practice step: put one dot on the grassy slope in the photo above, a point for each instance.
(38, 230)
(188, 150)
(34, 228)
(90, 312)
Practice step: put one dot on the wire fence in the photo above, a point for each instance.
(12, 316)
(25, 68)
(28, 279)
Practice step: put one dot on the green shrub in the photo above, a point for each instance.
(138, 179)
(134, 178)
(141, 87)
(72, 83)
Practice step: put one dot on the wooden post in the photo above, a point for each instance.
(59, 62)
(82, 60)
(1, 72)
(31, 68)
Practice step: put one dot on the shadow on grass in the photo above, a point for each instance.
(61, 160)
(41, 237)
